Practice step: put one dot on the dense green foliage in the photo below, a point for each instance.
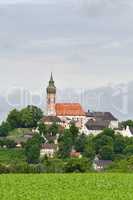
(65, 144)
(128, 123)
(30, 116)
(53, 129)
(122, 165)
(14, 119)
(7, 143)
(4, 129)
(26, 118)
(107, 145)
(10, 156)
(32, 149)
(78, 165)
(18, 128)
(70, 187)
(42, 129)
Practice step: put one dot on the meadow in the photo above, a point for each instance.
(9, 156)
(66, 187)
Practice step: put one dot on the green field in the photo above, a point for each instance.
(66, 187)
(8, 156)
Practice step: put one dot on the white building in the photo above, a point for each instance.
(97, 121)
(48, 150)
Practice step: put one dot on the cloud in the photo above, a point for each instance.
(106, 7)
(86, 43)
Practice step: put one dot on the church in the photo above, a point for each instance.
(62, 113)
(65, 114)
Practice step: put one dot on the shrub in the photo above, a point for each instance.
(78, 165)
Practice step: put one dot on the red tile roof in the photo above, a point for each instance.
(69, 109)
(75, 154)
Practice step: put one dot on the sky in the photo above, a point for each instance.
(85, 43)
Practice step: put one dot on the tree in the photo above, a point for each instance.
(123, 165)
(89, 152)
(30, 116)
(26, 118)
(4, 129)
(65, 144)
(77, 165)
(119, 144)
(14, 119)
(127, 123)
(37, 114)
(128, 150)
(89, 149)
(74, 132)
(106, 152)
(32, 149)
(102, 140)
(54, 129)
(42, 129)
(80, 143)
(109, 132)
(54, 165)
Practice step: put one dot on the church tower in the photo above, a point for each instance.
(51, 97)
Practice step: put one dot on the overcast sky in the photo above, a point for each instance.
(86, 43)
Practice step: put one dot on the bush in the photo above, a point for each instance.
(4, 129)
(124, 165)
(77, 165)
(106, 152)
(128, 150)
(54, 165)
(32, 149)
(8, 143)
(4, 169)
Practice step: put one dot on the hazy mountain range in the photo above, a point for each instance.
(117, 99)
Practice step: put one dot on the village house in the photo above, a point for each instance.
(48, 150)
(100, 165)
(75, 154)
(97, 121)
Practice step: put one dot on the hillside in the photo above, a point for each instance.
(10, 156)
(20, 134)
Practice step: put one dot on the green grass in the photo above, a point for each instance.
(67, 187)
(8, 156)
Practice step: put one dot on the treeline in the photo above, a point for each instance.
(25, 118)
(123, 165)
(107, 145)
(49, 166)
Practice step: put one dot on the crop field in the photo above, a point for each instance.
(66, 187)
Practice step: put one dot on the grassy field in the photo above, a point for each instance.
(18, 134)
(67, 187)
(8, 156)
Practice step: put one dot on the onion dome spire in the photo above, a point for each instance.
(51, 79)
(51, 87)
